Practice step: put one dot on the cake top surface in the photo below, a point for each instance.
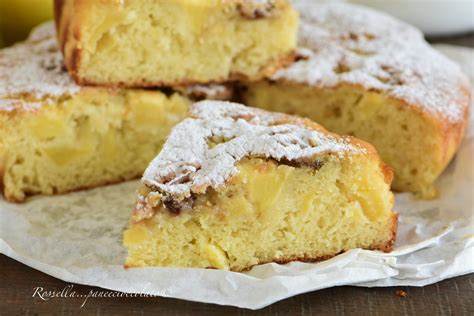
(32, 71)
(202, 151)
(343, 43)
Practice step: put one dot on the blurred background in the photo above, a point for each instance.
(433, 17)
(17, 17)
(436, 18)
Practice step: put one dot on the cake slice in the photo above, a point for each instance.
(56, 136)
(167, 43)
(234, 187)
(366, 74)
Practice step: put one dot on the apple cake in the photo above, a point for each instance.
(56, 136)
(236, 186)
(145, 43)
(366, 74)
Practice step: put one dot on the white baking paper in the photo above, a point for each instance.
(77, 238)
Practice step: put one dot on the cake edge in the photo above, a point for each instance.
(386, 247)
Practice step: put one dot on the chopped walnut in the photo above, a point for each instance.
(142, 210)
(177, 206)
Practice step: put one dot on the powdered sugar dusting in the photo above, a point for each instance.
(33, 71)
(209, 91)
(188, 163)
(349, 44)
(42, 32)
(10, 105)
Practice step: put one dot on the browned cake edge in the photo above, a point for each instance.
(98, 184)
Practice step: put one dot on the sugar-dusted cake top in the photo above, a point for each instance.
(32, 71)
(202, 151)
(344, 43)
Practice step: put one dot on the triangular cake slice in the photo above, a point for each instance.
(234, 187)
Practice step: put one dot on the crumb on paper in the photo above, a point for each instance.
(401, 293)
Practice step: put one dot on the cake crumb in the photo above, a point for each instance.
(401, 293)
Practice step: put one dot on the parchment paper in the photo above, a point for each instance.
(77, 238)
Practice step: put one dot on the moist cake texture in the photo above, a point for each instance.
(56, 136)
(234, 187)
(167, 43)
(366, 74)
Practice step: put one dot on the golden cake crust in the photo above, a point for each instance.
(70, 16)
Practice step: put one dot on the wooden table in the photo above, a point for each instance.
(450, 297)
(461, 40)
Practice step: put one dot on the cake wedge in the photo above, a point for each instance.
(148, 43)
(234, 187)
